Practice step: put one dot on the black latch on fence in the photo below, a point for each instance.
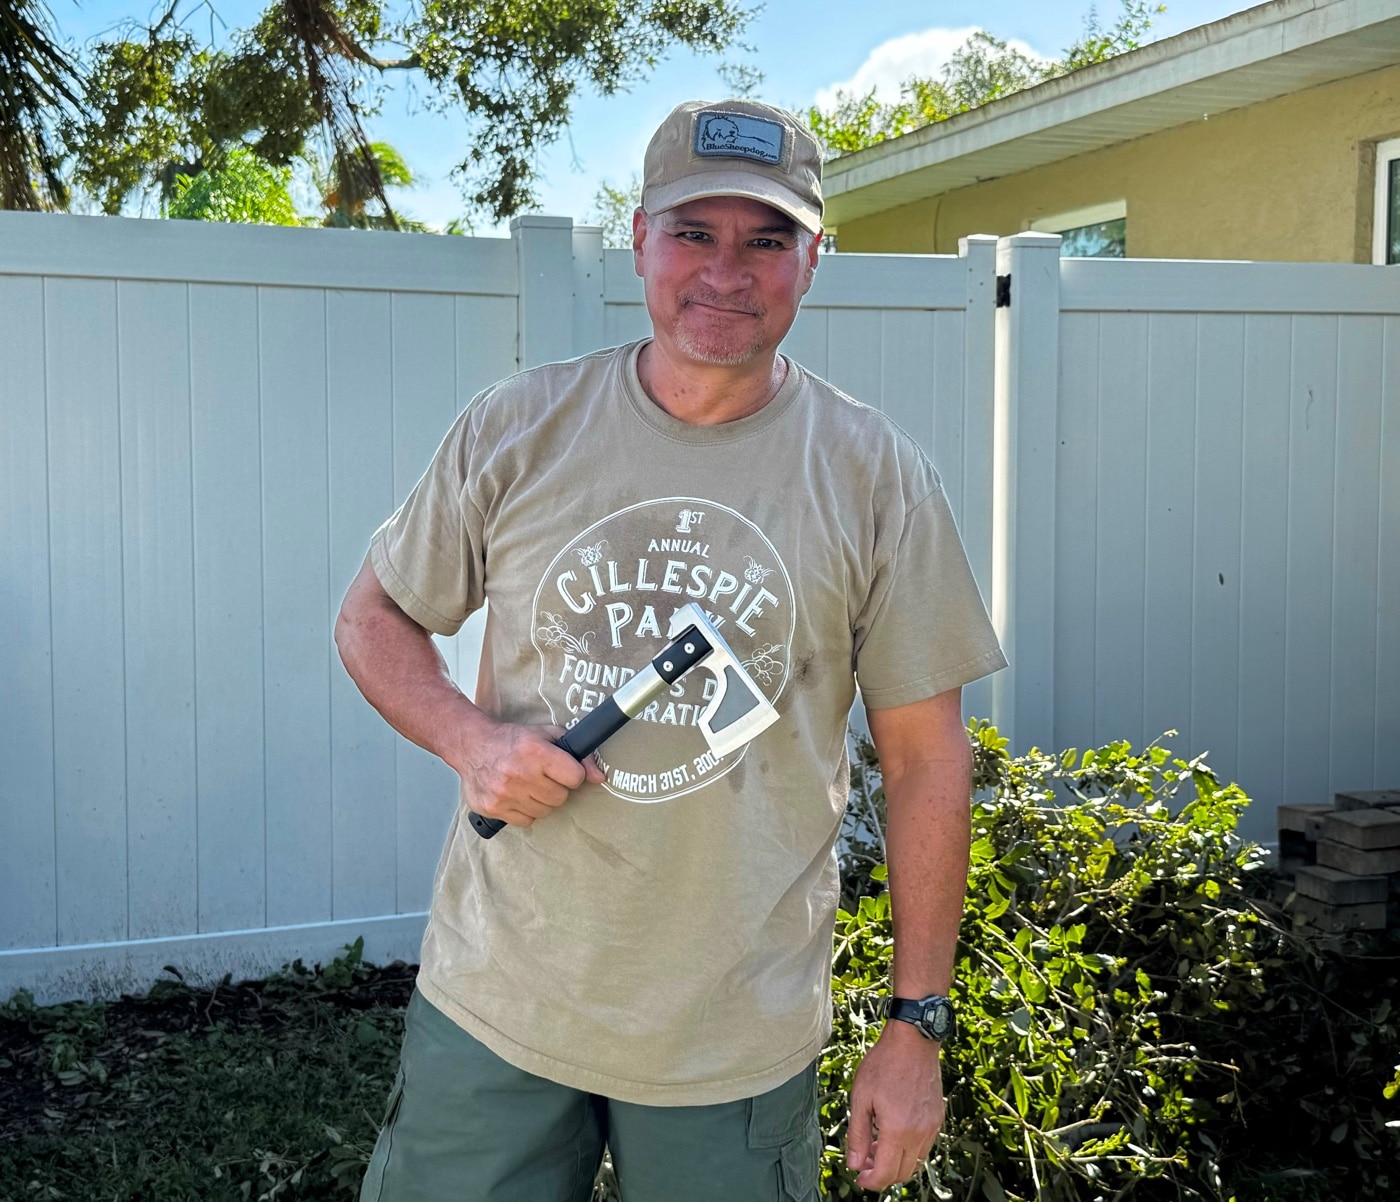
(1004, 291)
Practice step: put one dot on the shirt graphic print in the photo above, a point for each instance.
(603, 611)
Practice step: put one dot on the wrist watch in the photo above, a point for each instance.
(933, 1015)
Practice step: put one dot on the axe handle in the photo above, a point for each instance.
(593, 730)
(602, 722)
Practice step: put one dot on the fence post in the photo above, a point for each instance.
(979, 255)
(1023, 486)
(545, 253)
(589, 332)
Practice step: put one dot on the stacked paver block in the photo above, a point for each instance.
(1344, 859)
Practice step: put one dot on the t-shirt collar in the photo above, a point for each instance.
(672, 427)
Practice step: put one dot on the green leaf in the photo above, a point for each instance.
(1020, 1092)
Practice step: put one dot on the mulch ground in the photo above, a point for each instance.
(252, 1090)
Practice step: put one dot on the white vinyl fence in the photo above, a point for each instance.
(200, 428)
(1178, 483)
(1204, 523)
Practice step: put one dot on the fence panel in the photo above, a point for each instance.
(28, 843)
(292, 367)
(203, 426)
(1222, 444)
(158, 606)
(85, 560)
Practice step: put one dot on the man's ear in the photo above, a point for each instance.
(813, 251)
(639, 237)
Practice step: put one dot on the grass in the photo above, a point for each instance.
(268, 1089)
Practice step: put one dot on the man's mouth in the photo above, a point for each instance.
(688, 302)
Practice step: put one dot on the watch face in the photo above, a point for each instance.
(938, 1019)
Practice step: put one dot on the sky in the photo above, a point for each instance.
(807, 49)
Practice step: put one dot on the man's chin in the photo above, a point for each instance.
(715, 351)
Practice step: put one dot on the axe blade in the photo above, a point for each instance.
(738, 712)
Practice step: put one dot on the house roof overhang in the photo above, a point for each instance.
(1263, 52)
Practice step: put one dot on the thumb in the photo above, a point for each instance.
(859, 1132)
(592, 772)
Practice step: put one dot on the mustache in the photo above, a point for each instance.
(715, 301)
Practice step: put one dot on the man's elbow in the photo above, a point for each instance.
(365, 607)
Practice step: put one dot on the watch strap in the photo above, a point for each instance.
(916, 1011)
(905, 1009)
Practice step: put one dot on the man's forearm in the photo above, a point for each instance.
(401, 672)
(926, 760)
(927, 840)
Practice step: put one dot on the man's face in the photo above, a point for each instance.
(723, 276)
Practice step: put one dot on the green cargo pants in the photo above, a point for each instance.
(462, 1125)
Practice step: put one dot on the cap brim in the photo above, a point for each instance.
(734, 183)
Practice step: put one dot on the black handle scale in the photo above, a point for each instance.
(600, 724)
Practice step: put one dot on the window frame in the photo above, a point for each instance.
(1386, 153)
(1073, 219)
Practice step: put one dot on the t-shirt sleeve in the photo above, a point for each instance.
(923, 629)
(430, 555)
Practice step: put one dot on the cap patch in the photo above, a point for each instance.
(736, 135)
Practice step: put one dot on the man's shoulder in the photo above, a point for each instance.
(524, 395)
(844, 417)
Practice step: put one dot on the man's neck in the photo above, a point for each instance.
(706, 394)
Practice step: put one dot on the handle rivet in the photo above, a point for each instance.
(690, 648)
(667, 665)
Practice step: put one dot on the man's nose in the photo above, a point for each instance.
(726, 269)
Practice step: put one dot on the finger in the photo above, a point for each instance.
(560, 767)
(885, 1168)
(593, 771)
(859, 1134)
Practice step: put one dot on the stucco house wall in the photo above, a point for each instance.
(1287, 179)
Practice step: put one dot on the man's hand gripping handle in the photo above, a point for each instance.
(600, 724)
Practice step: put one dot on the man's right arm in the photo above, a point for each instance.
(510, 772)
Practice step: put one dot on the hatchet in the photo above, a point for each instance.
(736, 714)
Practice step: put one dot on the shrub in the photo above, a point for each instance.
(1121, 992)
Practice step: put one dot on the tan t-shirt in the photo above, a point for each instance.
(665, 938)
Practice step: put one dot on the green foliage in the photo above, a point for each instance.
(346, 207)
(741, 79)
(613, 209)
(157, 104)
(245, 189)
(37, 78)
(983, 69)
(1125, 1025)
(1094, 935)
(1098, 44)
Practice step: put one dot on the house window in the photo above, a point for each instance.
(1385, 237)
(1098, 231)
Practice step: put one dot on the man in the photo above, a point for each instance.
(642, 958)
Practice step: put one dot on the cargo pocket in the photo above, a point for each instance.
(800, 1165)
(785, 1119)
(779, 1116)
(372, 1187)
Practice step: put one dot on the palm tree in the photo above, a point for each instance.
(37, 78)
(344, 192)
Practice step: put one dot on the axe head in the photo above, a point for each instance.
(738, 712)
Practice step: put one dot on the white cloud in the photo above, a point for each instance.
(894, 61)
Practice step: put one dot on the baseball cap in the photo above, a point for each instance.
(735, 148)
